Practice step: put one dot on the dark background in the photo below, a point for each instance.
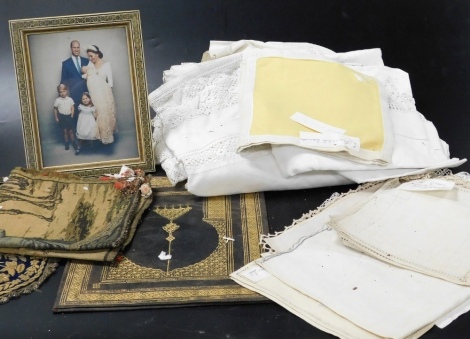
(429, 39)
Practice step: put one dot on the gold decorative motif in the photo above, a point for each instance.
(171, 214)
(75, 295)
(252, 215)
(218, 264)
(160, 182)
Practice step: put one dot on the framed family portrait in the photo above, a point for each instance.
(83, 92)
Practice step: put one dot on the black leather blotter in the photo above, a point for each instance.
(181, 255)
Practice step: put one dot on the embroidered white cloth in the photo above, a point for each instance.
(421, 225)
(360, 293)
(198, 124)
(196, 130)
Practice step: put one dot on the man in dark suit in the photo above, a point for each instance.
(72, 75)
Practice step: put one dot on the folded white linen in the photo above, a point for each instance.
(380, 298)
(338, 203)
(380, 175)
(197, 128)
(218, 49)
(421, 225)
(255, 278)
(454, 314)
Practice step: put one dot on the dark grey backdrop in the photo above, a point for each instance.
(429, 39)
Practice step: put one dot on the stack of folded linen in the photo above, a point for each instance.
(405, 267)
(259, 116)
(50, 214)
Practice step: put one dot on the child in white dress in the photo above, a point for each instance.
(86, 124)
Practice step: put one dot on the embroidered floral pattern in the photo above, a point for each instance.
(22, 274)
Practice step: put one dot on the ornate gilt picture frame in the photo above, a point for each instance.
(108, 129)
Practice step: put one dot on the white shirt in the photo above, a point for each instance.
(64, 105)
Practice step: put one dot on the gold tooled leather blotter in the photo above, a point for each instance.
(207, 238)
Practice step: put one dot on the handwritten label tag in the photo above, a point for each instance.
(256, 273)
(329, 140)
(315, 124)
(427, 185)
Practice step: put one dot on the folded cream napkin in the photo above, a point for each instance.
(345, 292)
(421, 225)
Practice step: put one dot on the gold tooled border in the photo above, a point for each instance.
(76, 293)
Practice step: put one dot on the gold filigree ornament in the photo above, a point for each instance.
(171, 214)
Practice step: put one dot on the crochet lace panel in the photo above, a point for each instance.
(462, 179)
(397, 99)
(204, 91)
(218, 153)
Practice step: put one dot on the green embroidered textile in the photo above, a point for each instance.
(62, 215)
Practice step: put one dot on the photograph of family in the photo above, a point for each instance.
(83, 97)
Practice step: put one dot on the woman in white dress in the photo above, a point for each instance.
(100, 83)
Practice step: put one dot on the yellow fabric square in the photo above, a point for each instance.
(326, 91)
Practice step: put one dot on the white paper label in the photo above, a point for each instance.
(427, 185)
(310, 139)
(164, 256)
(256, 273)
(315, 124)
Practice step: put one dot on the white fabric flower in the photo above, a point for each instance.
(145, 190)
(126, 172)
